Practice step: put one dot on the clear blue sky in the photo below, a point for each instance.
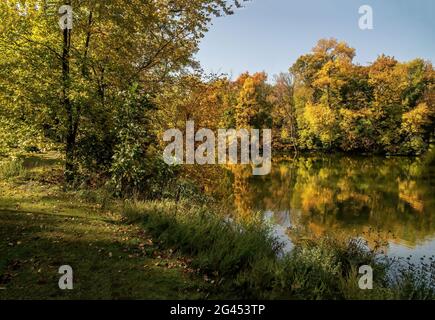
(269, 35)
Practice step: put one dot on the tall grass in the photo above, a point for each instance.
(12, 168)
(218, 245)
(243, 257)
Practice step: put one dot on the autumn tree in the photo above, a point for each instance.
(283, 114)
(253, 109)
(342, 105)
(76, 77)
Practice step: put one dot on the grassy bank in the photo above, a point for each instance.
(243, 259)
(42, 228)
(168, 249)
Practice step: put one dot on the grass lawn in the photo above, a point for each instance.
(42, 228)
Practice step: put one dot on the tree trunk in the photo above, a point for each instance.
(72, 112)
(67, 105)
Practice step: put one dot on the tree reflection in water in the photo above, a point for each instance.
(377, 197)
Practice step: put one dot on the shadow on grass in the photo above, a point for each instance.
(108, 262)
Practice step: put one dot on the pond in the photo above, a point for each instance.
(386, 199)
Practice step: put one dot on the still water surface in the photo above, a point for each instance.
(392, 199)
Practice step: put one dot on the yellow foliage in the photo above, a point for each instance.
(414, 120)
(321, 121)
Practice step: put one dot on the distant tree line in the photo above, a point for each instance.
(327, 102)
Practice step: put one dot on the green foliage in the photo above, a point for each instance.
(137, 168)
(131, 166)
(63, 86)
